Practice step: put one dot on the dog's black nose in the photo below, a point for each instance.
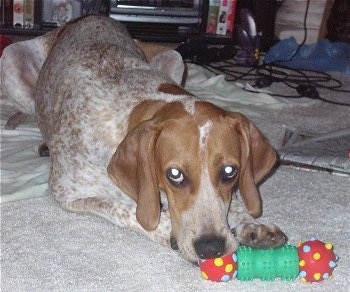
(210, 247)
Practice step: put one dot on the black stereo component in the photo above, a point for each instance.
(160, 20)
(184, 20)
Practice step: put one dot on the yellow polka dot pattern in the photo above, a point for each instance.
(329, 246)
(220, 269)
(218, 262)
(316, 256)
(229, 268)
(204, 275)
(316, 260)
(317, 276)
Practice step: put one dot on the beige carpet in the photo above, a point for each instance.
(44, 248)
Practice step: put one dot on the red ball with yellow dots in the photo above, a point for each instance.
(316, 260)
(219, 269)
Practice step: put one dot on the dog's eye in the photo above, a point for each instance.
(175, 176)
(228, 172)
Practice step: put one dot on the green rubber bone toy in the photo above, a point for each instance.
(312, 261)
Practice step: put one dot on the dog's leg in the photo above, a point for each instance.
(123, 214)
(15, 120)
(83, 185)
(20, 66)
(43, 150)
(249, 232)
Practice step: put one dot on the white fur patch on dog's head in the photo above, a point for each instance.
(204, 131)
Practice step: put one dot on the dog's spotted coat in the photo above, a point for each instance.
(124, 138)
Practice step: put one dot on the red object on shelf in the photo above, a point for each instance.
(4, 42)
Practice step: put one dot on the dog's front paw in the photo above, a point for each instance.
(260, 236)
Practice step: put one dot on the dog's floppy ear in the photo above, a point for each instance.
(257, 159)
(132, 169)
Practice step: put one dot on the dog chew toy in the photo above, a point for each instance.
(311, 261)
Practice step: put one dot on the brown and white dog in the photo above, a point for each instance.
(129, 144)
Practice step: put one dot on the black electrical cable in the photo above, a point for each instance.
(305, 34)
(293, 78)
(288, 76)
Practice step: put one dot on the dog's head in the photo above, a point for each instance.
(196, 154)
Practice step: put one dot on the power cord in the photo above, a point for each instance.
(305, 33)
(305, 82)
